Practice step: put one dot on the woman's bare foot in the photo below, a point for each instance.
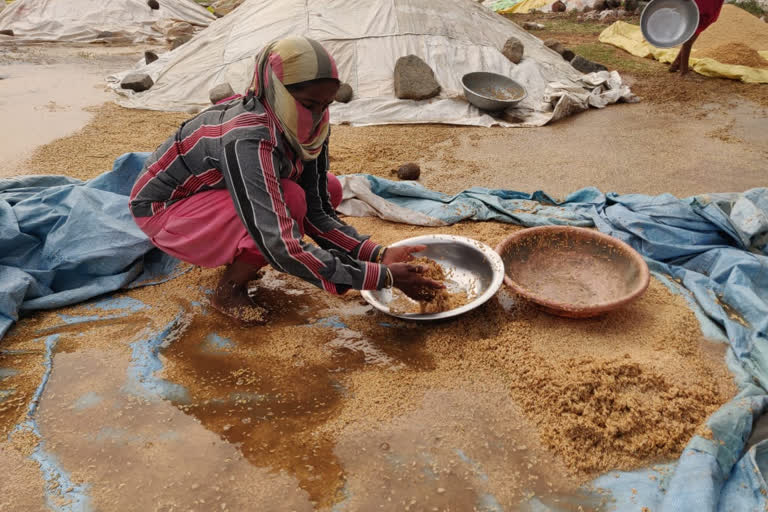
(231, 296)
(675, 64)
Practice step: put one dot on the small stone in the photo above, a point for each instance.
(440, 490)
(409, 171)
(513, 50)
(137, 82)
(529, 25)
(344, 94)
(153, 4)
(220, 92)
(586, 66)
(6, 32)
(568, 55)
(180, 41)
(414, 79)
(150, 57)
(558, 6)
(555, 45)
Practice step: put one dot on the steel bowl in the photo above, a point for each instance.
(475, 268)
(573, 272)
(668, 23)
(492, 92)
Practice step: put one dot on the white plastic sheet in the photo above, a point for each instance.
(88, 21)
(454, 37)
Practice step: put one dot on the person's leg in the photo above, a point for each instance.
(685, 54)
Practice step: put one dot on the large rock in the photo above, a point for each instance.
(137, 82)
(513, 50)
(568, 55)
(414, 79)
(555, 46)
(345, 93)
(150, 57)
(180, 41)
(220, 92)
(586, 66)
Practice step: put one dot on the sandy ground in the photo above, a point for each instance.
(450, 437)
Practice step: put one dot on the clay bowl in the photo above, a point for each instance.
(572, 272)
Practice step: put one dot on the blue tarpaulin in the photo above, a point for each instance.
(63, 241)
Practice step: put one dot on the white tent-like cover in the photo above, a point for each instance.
(453, 36)
(88, 21)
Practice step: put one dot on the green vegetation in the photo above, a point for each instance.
(614, 58)
(751, 6)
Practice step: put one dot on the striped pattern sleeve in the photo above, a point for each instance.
(322, 224)
(250, 171)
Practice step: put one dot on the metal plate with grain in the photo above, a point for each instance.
(474, 267)
(669, 23)
(492, 92)
(573, 272)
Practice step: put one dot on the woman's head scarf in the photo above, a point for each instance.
(287, 62)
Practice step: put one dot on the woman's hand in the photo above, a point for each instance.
(410, 280)
(400, 254)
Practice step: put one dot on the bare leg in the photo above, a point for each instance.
(685, 54)
(231, 296)
(675, 66)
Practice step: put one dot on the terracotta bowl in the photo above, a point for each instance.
(572, 272)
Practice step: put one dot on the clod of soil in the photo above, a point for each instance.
(409, 171)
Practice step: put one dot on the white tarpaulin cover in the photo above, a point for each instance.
(88, 21)
(453, 36)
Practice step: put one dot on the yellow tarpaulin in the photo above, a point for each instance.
(628, 37)
(526, 6)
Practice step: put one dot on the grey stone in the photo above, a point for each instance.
(529, 25)
(586, 66)
(220, 92)
(153, 4)
(180, 41)
(344, 94)
(568, 55)
(137, 82)
(409, 171)
(414, 79)
(558, 6)
(555, 45)
(513, 50)
(6, 32)
(607, 14)
(150, 57)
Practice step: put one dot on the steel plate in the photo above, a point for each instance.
(476, 268)
(669, 23)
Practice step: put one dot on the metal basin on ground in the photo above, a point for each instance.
(474, 267)
(572, 272)
(669, 23)
(492, 92)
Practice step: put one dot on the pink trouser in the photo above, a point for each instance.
(205, 230)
